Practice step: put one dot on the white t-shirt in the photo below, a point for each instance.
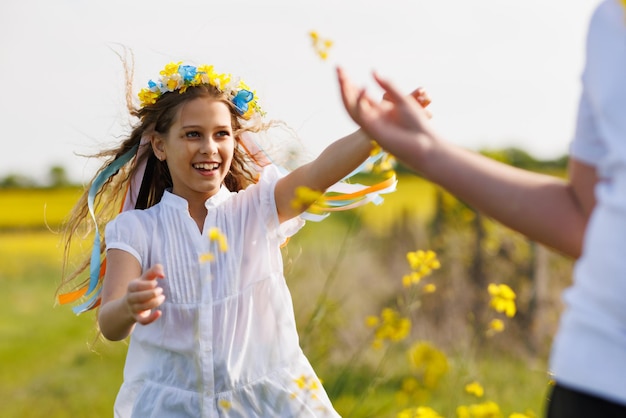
(589, 351)
(226, 344)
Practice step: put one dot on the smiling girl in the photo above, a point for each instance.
(212, 329)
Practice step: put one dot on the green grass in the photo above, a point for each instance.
(515, 384)
(48, 368)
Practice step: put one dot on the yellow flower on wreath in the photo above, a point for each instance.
(178, 77)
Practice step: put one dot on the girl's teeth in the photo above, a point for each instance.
(206, 166)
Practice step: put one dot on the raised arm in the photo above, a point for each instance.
(333, 164)
(547, 209)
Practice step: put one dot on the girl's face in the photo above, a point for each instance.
(198, 148)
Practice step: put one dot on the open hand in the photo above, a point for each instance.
(392, 122)
(144, 295)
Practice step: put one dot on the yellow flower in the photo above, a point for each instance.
(420, 259)
(411, 279)
(216, 235)
(518, 414)
(488, 409)
(410, 384)
(422, 263)
(502, 299)
(419, 412)
(375, 148)
(207, 257)
(301, 382)
(224, 404)
(430, 288)
(170, 69)
(307, 382)
(178, 77)
(386, 164)
(475, 388)
(429, 362)
(495, 326)
(148, 97)
(320, 46)
(308, 385)
(305, 197)
(390, 326)
(372, 321)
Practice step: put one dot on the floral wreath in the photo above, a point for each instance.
(178, 77)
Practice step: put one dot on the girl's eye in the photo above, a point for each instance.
(192, 134)
(223, 134)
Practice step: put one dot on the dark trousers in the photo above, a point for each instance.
(568, 403)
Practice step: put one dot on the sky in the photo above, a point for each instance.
(500, 73)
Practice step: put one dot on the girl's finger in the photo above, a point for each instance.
(148, 305)
(348, 91)
(421, 96)
(154, 272)
(391, 91)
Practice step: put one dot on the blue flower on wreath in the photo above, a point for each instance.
(188, 72)
(241, 100)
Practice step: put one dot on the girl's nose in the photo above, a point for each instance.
(209, 146)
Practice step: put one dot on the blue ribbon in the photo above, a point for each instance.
(96, 185)
(370, 160)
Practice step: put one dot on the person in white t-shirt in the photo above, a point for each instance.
(194, 271)
(583, 217)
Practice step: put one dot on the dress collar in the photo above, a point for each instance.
(170, 199)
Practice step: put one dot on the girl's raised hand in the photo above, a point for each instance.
(398, 118)
(144, 296)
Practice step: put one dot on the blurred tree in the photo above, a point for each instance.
(16, 181)
(58, 177)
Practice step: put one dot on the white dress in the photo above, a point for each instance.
(226, 344)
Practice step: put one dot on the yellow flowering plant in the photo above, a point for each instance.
(502, 299)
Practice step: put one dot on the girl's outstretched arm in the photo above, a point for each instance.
(333, 164)
(544, 208)
(128, 297)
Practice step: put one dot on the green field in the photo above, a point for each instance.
(350, 263)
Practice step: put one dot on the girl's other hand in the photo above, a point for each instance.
(144, 296)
